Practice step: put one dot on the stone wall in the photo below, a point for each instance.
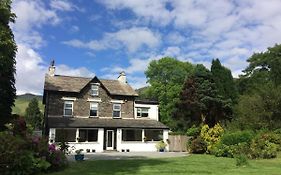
(81, 106)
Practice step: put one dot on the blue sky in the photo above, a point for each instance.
(104, 37)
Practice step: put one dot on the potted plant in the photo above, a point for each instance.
(79, 156)
(161, 145)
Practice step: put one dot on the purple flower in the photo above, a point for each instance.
(52, 147)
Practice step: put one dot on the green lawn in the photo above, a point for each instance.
(194, 164)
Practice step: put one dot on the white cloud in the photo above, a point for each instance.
(30, 71)
(33, 14)
(132, 39)
(30, 67)
(172, 51)
(154, 11)
(175, 38)
(70, 71)
(221, 28)
(74, 29)
(62, 5)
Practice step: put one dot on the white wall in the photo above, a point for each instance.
(97, 146)
(152, 112)
(139, 146)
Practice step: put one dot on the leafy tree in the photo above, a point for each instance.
(200, 102)
(166, 77)
(264, 69)
(269, 61)
(261, 110)
(224, 81)
(33, 115)
(8, 50)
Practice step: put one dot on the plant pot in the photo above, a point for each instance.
(161, 150)
(79, 157)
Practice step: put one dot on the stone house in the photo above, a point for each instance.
(97, 115)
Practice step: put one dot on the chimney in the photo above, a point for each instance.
(52, 69)
(122, 77)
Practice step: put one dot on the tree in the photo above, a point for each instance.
(8, 50)
(261, 110)
(33, 115)
(200, 102)
(224, 81)
(166, 77)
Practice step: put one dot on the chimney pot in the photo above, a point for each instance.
(52, 68)
(122, 77)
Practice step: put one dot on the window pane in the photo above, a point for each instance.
(144, 115)
(116, 114)
(68, 106)
(92, 135)
(94, 105)
(67, 111)
(65, 135)
(94, 89)
(94, 109)
(153, 134)
(116, 107)
(142, 112)
(82, 135)
(131, 135)
(93, 113)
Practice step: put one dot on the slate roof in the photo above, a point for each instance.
(66, 122)
(76, 84)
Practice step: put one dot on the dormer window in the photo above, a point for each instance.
(94, 90)
(116, 110)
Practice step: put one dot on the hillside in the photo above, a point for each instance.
(22, 102)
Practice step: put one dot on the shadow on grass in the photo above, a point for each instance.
(128, 166)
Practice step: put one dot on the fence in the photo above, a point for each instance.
(178, 143)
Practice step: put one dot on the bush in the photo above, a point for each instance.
(241, 160)
(211, 136)
(222, 150)
(264, 146)
(237, 137)
(22, 153)
(197, 146)
(193, 131)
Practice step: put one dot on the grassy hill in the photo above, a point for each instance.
(22, 102)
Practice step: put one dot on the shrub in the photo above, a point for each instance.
(197, 146)
(211, 136)
(193, 131)
(263, 146)
(221, 150)
(22, 153)
(237, 137)
(241, 160)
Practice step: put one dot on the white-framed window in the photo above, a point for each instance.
(116, 110)
(153, 134)
(88, 135)
(94, 90)
(65, 135)
(68, 108)
(132, 135)
(93, 109)
(142, 112)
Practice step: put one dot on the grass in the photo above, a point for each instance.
(194, 164)
(21, 105)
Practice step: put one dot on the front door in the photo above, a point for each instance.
(109, 139)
